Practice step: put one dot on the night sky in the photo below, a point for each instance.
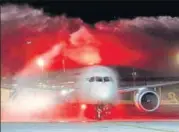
(140, 40)
(92, 12)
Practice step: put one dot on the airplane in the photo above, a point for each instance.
(99, 86)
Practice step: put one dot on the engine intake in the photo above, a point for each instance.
(147, 100)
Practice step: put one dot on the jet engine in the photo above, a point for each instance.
(146, 100)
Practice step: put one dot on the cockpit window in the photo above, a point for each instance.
(107, 79)
(99, 79)
(92, 79)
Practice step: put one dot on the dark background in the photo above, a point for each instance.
(94, 11)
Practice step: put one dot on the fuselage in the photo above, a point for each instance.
(97, 84)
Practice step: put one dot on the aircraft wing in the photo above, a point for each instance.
(135, 88)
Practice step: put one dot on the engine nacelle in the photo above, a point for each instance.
(147, 100)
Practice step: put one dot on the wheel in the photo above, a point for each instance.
(99, 112)
(103, 111)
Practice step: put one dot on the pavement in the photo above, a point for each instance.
(105, 126)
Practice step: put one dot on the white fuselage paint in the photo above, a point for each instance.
(96, 92)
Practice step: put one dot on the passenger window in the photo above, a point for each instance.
(91, 79)
(99, 79)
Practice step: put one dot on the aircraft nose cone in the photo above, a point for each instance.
(104, 94)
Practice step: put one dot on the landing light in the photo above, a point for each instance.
(64, 92)
(40, 62)
(83, 106)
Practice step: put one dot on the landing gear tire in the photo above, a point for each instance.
(99, 112)
(102, 111)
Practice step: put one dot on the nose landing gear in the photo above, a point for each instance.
(103, 110)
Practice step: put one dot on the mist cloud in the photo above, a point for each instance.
(139, 39)
(164, 27)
